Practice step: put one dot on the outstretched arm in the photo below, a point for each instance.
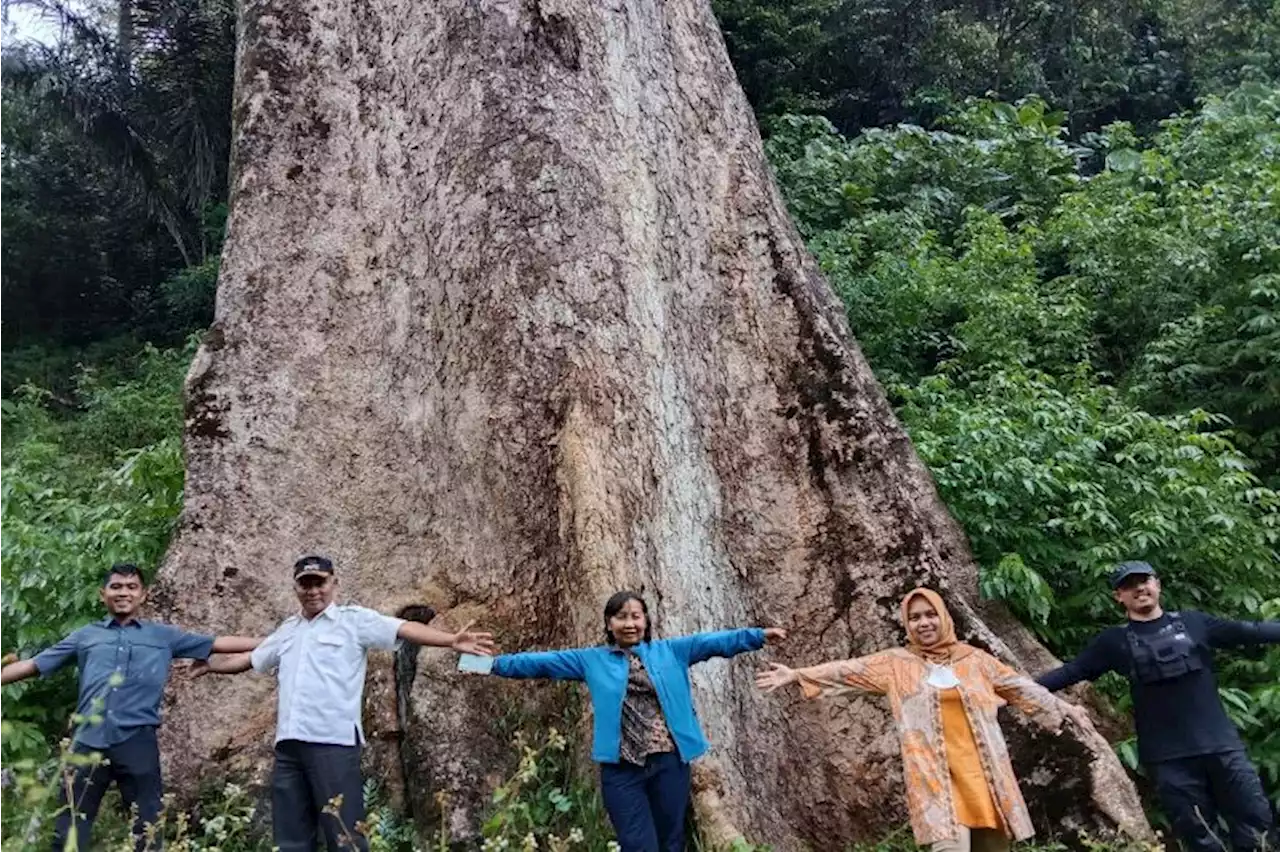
(1040, 705)
(46, 662)
(1235, 634)
(223, 664)
(465, 641)
(235, 644)
(20, 670)
(198, 646)
(555, 665)
(699, 647)
(1094, 661)
(871, 674)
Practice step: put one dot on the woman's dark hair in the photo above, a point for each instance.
(614, 605)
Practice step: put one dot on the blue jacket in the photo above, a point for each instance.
(604, 669)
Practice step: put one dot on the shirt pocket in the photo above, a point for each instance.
(102, 658)
(329, 649)
(149, 663)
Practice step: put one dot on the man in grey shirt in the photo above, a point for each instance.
(319, 659)
(124, 664)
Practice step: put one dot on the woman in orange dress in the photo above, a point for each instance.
(961, 791)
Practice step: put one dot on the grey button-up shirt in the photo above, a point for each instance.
(123, 669)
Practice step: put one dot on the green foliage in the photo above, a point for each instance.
(1181, 255)
(54, 369)
(224, 818)
(1087, 362)
(386, 829)
(76, 245)
(1056, 481)
(545, 804)
(1012, 160)
(870, 63)
(928, 235)
(114, 170)
(188, 294)
(80, 492)
(1227, 41)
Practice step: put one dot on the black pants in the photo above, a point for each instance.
(1195, 791)
(306, 782)
(646, 804)
(134, 765)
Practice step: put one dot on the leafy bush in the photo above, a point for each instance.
(1088, 363)
(545, 804)
(188, 294)
(1180, 252)
(224, 819)
(1062, 479)
(79, 493)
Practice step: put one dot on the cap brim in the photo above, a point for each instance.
(1119, 581)
(311, 573)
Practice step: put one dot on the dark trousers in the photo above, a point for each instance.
(1195, 791)
(134, 765)
(306, 782)
(646, 804)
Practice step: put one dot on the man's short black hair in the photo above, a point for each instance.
(124, 569)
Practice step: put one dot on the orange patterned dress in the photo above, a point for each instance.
(985, 685)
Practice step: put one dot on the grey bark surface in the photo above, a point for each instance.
(511, 316)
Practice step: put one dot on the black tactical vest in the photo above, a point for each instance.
(1168, 653)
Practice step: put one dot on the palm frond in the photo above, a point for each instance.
(91, 107)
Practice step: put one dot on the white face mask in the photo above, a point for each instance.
(942, 677)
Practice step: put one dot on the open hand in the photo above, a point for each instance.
(199, 668)
(468, 641)
(775, 676)
(774, 635)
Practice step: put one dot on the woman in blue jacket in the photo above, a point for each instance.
(646, 730)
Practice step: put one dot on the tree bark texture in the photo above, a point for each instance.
(511, 317)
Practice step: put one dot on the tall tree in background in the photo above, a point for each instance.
(868, 63)
(511, 316)
(136, 106)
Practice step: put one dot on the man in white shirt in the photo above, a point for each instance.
(319, 657)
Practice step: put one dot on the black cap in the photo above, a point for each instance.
(1125, 570)
(317, 565)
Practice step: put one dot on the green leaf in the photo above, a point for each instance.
(1124, 160)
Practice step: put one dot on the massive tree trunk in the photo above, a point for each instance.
(511, 316)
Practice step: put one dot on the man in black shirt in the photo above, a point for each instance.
(1185, 739)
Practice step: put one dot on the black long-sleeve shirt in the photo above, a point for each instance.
(1182, 716)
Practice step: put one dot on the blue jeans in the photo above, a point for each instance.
(134, 766)
(647, 804)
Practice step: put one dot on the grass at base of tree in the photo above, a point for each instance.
(544, 805)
